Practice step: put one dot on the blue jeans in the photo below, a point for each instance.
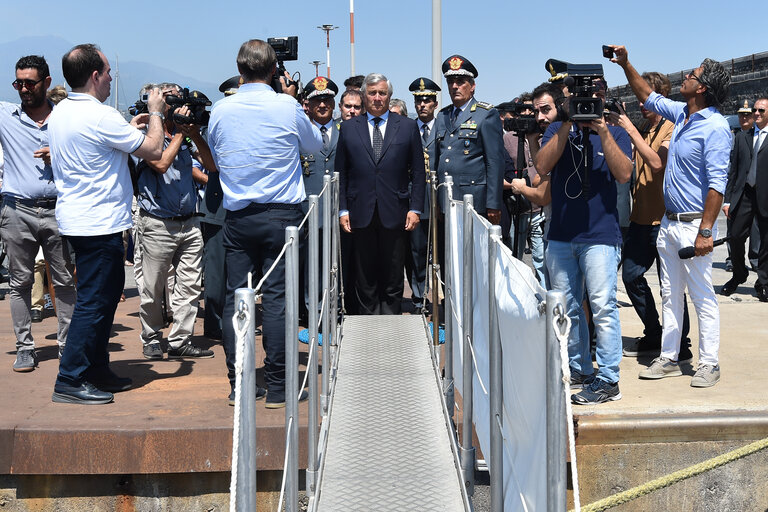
(572, 266)
(100, 281)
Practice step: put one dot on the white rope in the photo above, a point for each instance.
(313, 344)
(274, 264)
(562, 337)
(322, 310)
(474, 362)
(306, 216)
(285, 463)
(243, 311)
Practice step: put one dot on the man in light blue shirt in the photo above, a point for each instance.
(255, 137)
(694, 184)
(27, 218)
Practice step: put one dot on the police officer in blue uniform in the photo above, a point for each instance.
(424, 93)
(320, 94)
(469, 143)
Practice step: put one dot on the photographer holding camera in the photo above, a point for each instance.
(586, 158)
(169, 232)
(256, 136)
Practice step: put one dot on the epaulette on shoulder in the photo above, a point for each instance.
(338, 125)
(481, 104)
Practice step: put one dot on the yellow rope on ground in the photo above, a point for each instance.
(673, 478)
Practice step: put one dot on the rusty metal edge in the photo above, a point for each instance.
(661, 428)
(29, 451)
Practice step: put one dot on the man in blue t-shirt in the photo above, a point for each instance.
(584, 242)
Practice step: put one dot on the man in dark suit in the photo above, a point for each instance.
(378, 155)
(747, 197)
(425, 102)
(470, 147)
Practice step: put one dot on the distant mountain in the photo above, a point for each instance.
(132, 74)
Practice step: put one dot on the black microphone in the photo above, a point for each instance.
(689, 252)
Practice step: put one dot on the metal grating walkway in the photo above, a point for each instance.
(388, 442)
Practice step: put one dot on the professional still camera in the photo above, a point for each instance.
(580, 81)
(286, 48)
(195, 101)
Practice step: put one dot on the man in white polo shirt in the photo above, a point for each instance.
(90, 143)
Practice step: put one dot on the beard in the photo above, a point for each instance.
(32, 100)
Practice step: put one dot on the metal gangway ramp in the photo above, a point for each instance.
(389, 443)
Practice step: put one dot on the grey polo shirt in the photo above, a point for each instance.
(24, 176)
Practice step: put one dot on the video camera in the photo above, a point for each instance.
(580, 81)
(195, 101)
(524, 121)
(613, 105)
(286, 48)
(140, 107)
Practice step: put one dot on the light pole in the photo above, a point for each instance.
(316, 63)
(327, 29)
(352, 37)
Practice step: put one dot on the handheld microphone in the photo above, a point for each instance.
(689, 252)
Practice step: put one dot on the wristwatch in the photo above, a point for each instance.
(706, 233)
(158, 114)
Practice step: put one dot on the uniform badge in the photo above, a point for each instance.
(466, 143)
(421, 85)
(321, 83)
(466, 151)
(455, 63)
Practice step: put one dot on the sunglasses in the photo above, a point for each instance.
(692, 76)
(761, 110)
(29, 84)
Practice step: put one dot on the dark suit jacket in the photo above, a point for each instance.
(364, 183)
(472, 152)
(741, 160)
(314, 166)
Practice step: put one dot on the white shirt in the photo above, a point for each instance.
(90, 143)
(382, 124)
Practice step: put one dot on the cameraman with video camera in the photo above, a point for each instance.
(169, 231)
(586, 158)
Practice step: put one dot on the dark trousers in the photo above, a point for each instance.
(253, 239)
(100, 281)
(379, 260)
(416, 260)
(215, 289)
(742, 217)
(639, 255)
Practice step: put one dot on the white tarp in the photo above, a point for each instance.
(522, 329)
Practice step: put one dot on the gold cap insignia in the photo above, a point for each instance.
(455, 63)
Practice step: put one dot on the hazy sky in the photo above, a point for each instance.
(507, 41)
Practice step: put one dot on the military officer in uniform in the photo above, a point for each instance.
(320, 94)
(425, 102)
(469, 143)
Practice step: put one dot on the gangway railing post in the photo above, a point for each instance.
(556, 427)
(467, 450)
(336, 284)
(291, 368)
(328, 221)
(497, 384)
(435, 286)
(245, 486)
(448, 382)
(313, 275)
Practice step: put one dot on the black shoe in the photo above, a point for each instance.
(112, 383)
(36, 315)
(597, 392)
(189, 350)
(762, 293)
(260, 393)
(731, 286)
(647, 345)
(153, 351)
(258, 332)
(275, 401)
(685, 356)
(579, 380)
(86, 394)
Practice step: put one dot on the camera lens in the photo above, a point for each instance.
(584, 108)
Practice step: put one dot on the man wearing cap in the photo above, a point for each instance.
(320, 94)
(256, 136)
(424, 93)
(694, 184)
(469, 141)
(379, 156)
(747, 199)
(27, 218)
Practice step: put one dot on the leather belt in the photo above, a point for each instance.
(684, 217)
(38, 202)
(177, 218)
